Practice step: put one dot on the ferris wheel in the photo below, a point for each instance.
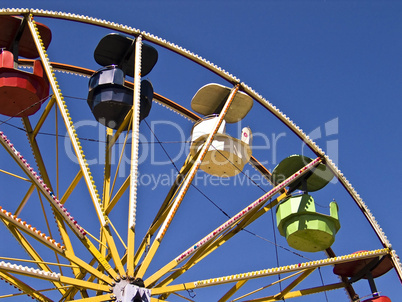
(116, 188)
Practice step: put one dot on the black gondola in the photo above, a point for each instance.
(108, 98)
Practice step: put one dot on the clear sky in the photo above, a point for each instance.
(334, 66)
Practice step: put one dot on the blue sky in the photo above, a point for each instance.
(334, 63)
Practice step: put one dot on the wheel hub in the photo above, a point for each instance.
(126, 290)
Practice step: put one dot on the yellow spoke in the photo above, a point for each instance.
(126, 122)
(106, 177)
(67, 120)
(36, 152)
(32, 231)
(207, 249)
(60, 217)
(233, 290)
(23, 287)
(47, 223)
(73, 290)
(96, 239)
(113, 251)
(303, 292)
(57, 151)
(84, 284)
(71, 187)
(30, 251)
(163, 210)
(132, 199)
(292, 285)
(25, 200)
(118, 235)
(43, 117)
(38, 262)
(186, 185)
(49, 242)
(262, 288)
(118, 195)
(75, 143)
(126, 183)
(14, 175)
(96, 298)
(270, 272)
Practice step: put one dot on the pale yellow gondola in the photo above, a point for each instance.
(210, 99)
(227, 155)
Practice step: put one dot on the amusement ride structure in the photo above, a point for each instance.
(85, 242)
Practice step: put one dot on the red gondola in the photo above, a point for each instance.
(378, 299)
(370, 269)
(21, 92)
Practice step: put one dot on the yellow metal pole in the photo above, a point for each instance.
(265, 287)
(232, 221)
(233, 290)
(271, 272)
(186, 184)
(43, 117)
(123, 126)
(292, 285)
(117, 196)
(67, 120)
(60, 214)
(106, 199)
(36, 152)
(71, 187)
(113, 251)
(84, 265)
(127, 181)
(14, 175)
(43, 172)
(208, 248)
(24, 200)
(14, 281)
(107, 297)
(164, 209)
(135, 131)
(106, 177)
(84, 284)
(30, 251)
(93, 192)
(73, 290)
(304, 292)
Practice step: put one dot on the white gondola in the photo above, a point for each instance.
(227, 155)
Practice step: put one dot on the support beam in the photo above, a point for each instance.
(24, 200)
(93, 192)
(232, 221)
(43, 117)
(303, 292)
(26, 289)
(292, 285)
(71, 187)
(186, 184)
(31, 252)
(271, 272)
(135, 136)
(164, 209)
